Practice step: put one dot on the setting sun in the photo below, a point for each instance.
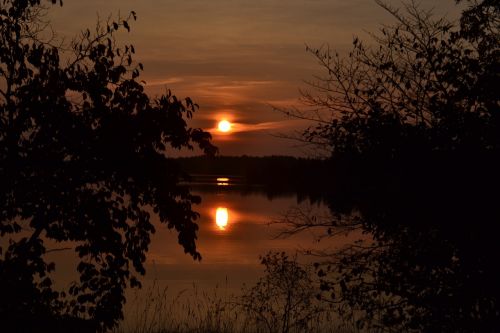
(224, 126)
(221, 217)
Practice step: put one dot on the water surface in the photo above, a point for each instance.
(235, 229)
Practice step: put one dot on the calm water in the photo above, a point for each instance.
(234, 230)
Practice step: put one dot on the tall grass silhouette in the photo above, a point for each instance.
(283, 300)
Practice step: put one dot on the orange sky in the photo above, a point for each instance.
(235, 58)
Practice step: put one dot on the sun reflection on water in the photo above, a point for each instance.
(221, 217)
(222, 181)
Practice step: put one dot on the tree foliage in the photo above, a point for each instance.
(411, 124)
(422, 84)
(83, 159)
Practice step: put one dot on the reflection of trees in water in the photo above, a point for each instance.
(270, 192)
(428, 261)
(274, 176)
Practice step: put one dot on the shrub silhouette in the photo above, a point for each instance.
(284, 299)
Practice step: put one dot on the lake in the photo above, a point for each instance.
(235, 228)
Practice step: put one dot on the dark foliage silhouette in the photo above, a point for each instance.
(411, 125)
(284, 299)
(83, 162)
(425, 85)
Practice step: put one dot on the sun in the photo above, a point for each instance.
(224, 126)
(221, 217)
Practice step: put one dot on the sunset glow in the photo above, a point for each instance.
(224, 126)
(221, 217)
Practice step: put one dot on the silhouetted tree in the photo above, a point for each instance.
(411, 124)
(422, 84)
(83, 160)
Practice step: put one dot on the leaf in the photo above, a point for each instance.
(125, 24)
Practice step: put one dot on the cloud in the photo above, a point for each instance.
(163, 82)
